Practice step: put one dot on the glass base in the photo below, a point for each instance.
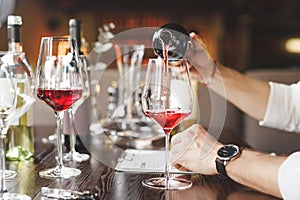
(54, 193)
(96, 129)
(173, 183)
(75, 157)
(15, 196)
(9, 174)
(59, 172)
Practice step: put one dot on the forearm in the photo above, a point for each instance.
(249, 95)
(256, 170)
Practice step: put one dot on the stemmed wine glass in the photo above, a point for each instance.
(73, 155)
(59, 84)
(168, 99)
(9, 174)
(16, 84)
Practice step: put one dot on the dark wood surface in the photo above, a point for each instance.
(113, 185)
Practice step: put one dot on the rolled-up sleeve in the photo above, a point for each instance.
(289, 177)
(283, 109)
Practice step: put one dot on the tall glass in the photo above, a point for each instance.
(59, 85)
(168, 99)
(8, 173)
(16, 83)
(73, 155)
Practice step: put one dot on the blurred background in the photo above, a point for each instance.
(260, 38)
(241, 33)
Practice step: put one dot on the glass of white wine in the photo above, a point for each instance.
(10, 92)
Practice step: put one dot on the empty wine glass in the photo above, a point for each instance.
(59, 85)
(73, 155)
(16, 83)
(168, 99)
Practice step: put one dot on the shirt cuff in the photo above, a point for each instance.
(289, 177)
(280, 112)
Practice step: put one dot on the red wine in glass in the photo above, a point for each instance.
(60, 99)
(59, 85)
(169, 118)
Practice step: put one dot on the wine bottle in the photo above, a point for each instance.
(171, 41)
(20, 136)
(82, 116)
(76, 32)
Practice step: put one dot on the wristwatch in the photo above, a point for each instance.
(224, 155)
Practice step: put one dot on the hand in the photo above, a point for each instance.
(204, 67)
(195, 149)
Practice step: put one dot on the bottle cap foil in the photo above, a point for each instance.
(14, 20)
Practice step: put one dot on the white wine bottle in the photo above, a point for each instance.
(20, 136)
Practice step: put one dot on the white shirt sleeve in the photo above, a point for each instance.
(283, 109)
(289, 177)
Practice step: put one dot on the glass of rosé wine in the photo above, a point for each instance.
(168, 99)
(59, 85)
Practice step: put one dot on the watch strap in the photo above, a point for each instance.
(220, 165)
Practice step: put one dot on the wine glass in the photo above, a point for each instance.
(59, 85)
(9, 174)
(73, 155)
(16, 85)
(168, 99)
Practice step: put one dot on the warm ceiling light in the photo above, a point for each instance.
(292, 45)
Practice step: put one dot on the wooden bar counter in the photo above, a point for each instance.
(110, 184)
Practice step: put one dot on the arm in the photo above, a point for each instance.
(260, 100)
(196, 150)
(256, 170)
(249, 95)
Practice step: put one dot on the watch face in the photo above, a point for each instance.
(228, 151)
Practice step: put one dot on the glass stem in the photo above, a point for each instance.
(3, 164)
(167, 173)
(59, 120)
(12, 139)
(72, 133)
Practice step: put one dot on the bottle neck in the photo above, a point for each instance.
(15, 47)
(14, 38)
(75, 32)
